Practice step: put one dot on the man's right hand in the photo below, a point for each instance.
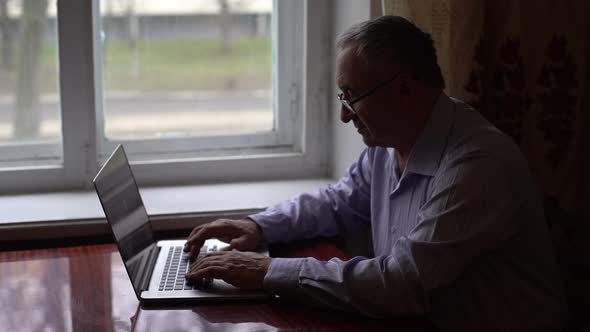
(243, 234)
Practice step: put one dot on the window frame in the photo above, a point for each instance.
(299, 149)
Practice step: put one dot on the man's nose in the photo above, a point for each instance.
(345, 114)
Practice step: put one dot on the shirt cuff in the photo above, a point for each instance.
(265, 221)
(282, 277)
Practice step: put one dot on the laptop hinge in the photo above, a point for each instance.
(149, 267)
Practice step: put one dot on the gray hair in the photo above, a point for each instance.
(395, 39)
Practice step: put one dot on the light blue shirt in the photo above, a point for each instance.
(460, 236)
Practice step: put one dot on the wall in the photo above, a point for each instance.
(346, 142)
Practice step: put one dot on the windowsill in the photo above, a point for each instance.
(70, 214)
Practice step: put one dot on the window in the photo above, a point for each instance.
(30, 120)
(206, 91)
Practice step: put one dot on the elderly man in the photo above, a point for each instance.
(457, 228)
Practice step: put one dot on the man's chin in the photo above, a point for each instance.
(368, 140)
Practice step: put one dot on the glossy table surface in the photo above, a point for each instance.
(86, 288)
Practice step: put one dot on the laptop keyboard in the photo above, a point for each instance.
(177, 264)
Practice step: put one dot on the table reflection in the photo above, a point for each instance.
(86, 288)
(65, 289)
(189, 320)
(35, 295)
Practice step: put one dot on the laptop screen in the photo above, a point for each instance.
(126, 214)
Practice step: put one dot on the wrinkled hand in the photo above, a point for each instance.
(242, 234)
(244, 270)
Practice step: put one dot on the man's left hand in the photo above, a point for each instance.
(244, 270)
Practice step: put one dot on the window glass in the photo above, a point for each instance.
(29, 95)
(181, 68)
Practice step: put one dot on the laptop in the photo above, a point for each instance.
(156, 268)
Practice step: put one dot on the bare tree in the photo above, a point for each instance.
(27, 117)
(6, 37)
(225, 25)
(133, 37)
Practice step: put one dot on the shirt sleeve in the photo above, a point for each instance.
(468, 212)
(331, 210)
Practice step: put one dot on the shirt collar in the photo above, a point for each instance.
(427, 151)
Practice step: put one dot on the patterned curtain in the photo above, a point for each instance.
(525, 65)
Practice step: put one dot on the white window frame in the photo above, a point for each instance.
(297, 149)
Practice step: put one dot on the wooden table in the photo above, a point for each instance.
(86, 288)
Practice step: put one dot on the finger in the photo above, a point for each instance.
(195, 247)
(194, 236)
(196, 266)
(218, 228)
(239, 242)
(196, 241)
(188, 246)
(205, 261)
(216, 272)
(216, 253)
(224, 239)
(193, 232)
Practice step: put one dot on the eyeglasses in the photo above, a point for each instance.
(348, 103)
